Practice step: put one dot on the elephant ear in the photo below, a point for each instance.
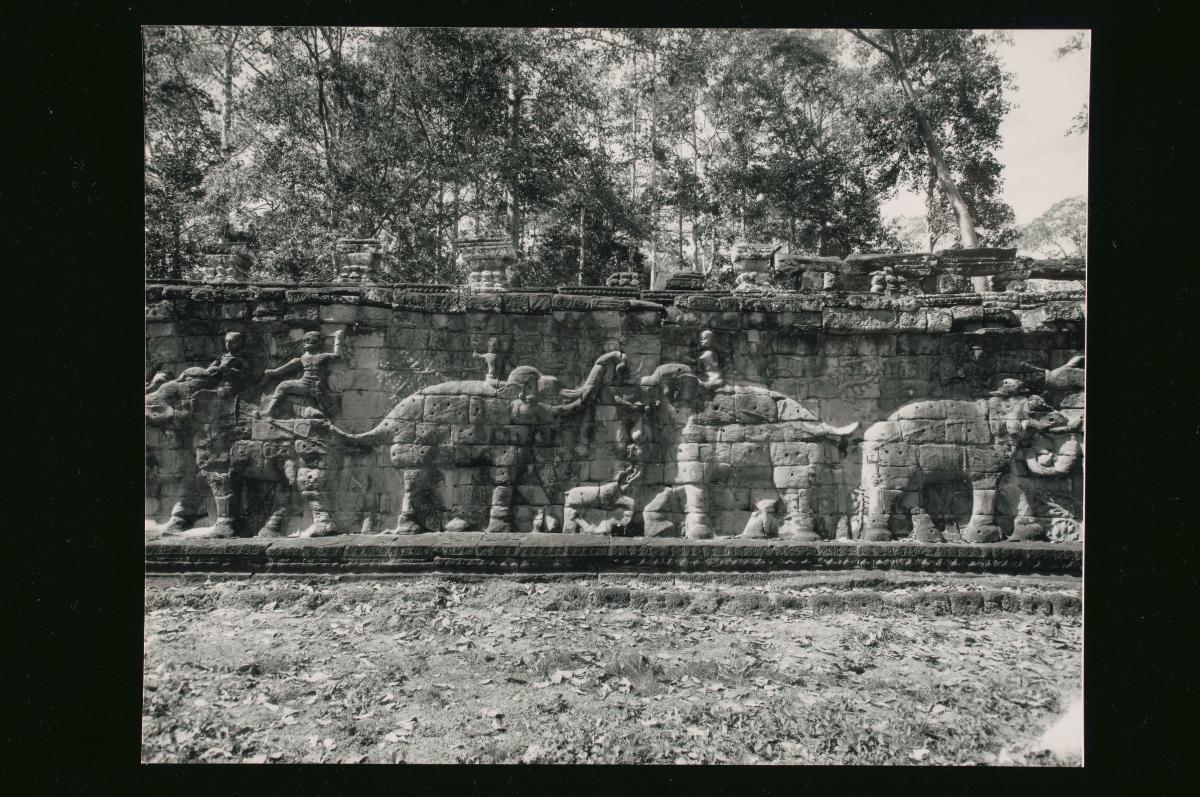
(686, 387)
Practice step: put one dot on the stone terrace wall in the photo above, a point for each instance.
(845, 357)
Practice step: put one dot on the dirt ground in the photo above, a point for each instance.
(442, 670)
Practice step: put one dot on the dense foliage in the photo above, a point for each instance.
(1059, 232)
(594, 150)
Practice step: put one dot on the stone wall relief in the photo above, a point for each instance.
(1012, 447)
(235, 444)
(684, 450)
(490, 428)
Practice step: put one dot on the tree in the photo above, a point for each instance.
(952, 87)
(181, 147)
(1076, 42)
(1059, 232)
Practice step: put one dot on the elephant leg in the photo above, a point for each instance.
(406, 523)
(880, 500)
(188, 508)
(696, 523)
(982, 527)
(656, 515)
(277, 522)
(220, 481)
(312, 483)
(501, 514)
(798, 524)
(1025, 525)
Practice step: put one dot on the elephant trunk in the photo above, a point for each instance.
(1063, 463)
(586, 392)
(384, 430)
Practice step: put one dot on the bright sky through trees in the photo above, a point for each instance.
(1042, 164)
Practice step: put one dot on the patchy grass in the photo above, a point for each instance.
(271, 669)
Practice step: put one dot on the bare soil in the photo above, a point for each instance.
(442, 670)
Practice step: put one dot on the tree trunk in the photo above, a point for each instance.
(653, 167)
(326, 136)
(696, 177)
(930, 205)
(637, 94)
(514, 221)
(966, 227)
(176, 248)
(681, 258)
(227, 93)
(582, 217)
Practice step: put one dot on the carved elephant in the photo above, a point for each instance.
(493, 426)
(981, 442)
(295, 456)
(738, 433)
(207, 436)
(194, 427)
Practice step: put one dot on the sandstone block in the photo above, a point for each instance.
(941, 457)
(792, 476)
(983, 459)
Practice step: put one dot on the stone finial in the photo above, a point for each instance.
(227, 261)
(753, 256)
(358, 261)
(487, 261)
(753, 263)
(624, 279)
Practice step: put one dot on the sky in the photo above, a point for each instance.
(1041, 164)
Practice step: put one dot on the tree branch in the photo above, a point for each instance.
(858, 34)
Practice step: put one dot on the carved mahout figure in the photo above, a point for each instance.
(310, 387)
(740, 433)
(227, 374)
(763, 523)
(199, 410)
(998, 444)
(203, 410)
(709, 362)
(490, 358)
(474, 424)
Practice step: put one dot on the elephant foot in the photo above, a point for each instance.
(800, 528)
(876, 530)
(271, 529)
(176, 525)
(499, 526)
(405, 526)
(457, 524)
(320, 529)
(654, 525)
(698, 528)
(925, 531)
(1027, 530)
(222, 529)
(982, 531)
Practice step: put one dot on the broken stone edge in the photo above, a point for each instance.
(477, 552)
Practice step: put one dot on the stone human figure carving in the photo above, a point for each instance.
(544, 523)
(313, 363)
(160, 378)
(975, 371)
(490, 358)
(763, 523)
(709, 362)
(226, 373)
(615, 523)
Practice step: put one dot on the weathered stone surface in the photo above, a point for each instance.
(753, 406)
